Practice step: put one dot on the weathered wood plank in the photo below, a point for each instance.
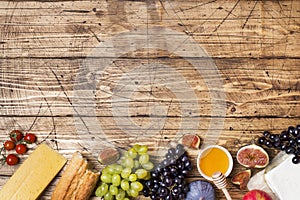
(256, 28)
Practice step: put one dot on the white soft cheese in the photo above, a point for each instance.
(284, 180)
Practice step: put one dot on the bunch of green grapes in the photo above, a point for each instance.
(122, 180)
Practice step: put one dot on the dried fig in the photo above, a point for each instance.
(108, 156)
(191, 140)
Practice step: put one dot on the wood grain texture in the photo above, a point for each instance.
(44, 44)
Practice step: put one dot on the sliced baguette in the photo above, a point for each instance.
(77, 181)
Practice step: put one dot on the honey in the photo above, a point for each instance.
(213, 160)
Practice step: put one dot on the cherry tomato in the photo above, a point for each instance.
(30, 138)
(16, 135)
(12, 159)
(9, 145)
(21, 148)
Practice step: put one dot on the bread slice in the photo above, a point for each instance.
(77, 181)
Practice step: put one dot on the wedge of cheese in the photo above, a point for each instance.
(284, 180)
(33, 176)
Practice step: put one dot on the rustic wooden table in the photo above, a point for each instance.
(85, 74)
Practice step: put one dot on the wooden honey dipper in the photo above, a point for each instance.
(220, 181)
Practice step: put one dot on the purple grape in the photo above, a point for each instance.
(290, 150)
(169, 197)
(178, 180)
(146, 192)
(155, 186)
(261, 140)
(297, 152)
(277, 144)
(290, 129)
(272, 136)
(284, 135)
(176, 191)
(149, 183)
(154, 174)
(187, 163)
(292, 142)
(184, 172)
(181, 196)
(171, 151)
(268, 143)
(296, 132)
(283, 146)
(163, 191)
(168, 181)
(296, 159)
(276, 138)
(297, 140)
(266, 133)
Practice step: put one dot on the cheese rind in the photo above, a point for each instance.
(33, 176)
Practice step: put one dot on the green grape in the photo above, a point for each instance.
(132, 153)
(126, 172)
(136, 164)
(110, 169)
(116, 179)
(125, 184)
(108, 196)
(143, 149)
(120, 195)
(113, 190)
(141, 173)
(126, 154)
(126, 198)
(122, 161)
(144, 158)
(101, 190)
(105, 170)
(132, 177)
(148, 166)
(128, 162)
(136, 186)
(136, 147)
(133, 193)
(148, 177)
(128, 192)
(106, 178)
(117, 168)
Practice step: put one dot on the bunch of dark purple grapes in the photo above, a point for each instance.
(168, 178)
(288, 141)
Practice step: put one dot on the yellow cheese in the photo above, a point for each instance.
(33, 176)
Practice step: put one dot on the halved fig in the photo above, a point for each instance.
(252, 156)
(241, 178)
(191, 140)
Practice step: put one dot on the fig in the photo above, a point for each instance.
(256, 195)
(108, 156)
(200, 190)
(252, 156)
(241, 178)
(191, 140)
